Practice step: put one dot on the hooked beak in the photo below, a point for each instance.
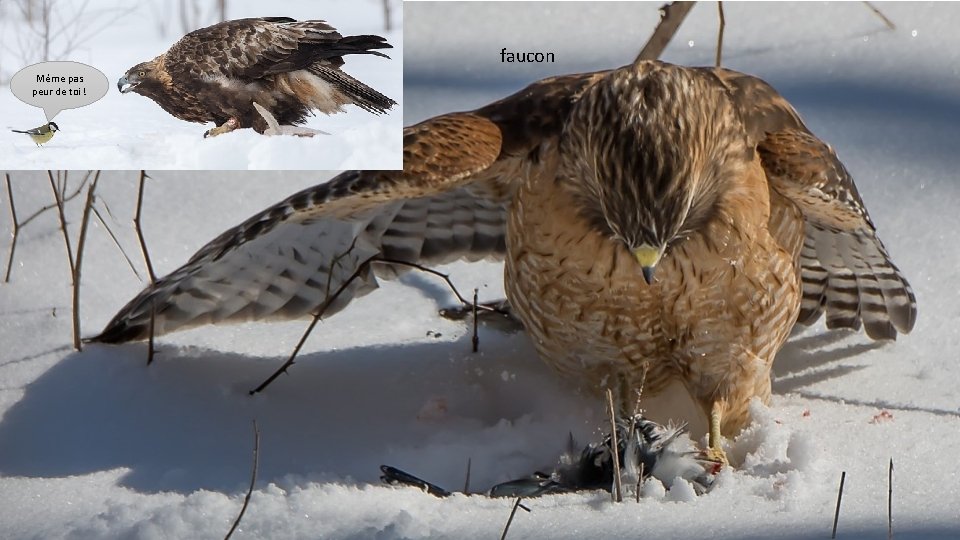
(648, 257)
(124, 85)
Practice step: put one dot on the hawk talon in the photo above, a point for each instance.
(226, 127)
(718, 456)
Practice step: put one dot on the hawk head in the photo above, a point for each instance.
(145, 78)
(647, 151)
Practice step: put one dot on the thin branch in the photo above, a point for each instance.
(890, 501)
(441, 275)
(139, 229)
(880, 14)
(617, 482)
(466, 482)
(116, 242)
(640, 481)
(513, 512)
(637, 410)
(476, 336)
(836, 515)
(330, 299)
(65, 200)
(316, 318)
(79, 261)
(150, 340)
(253, 479)
(723, 24)
(387, 26)
(16, 229)
(17, 225)
(671, 17)
(63, 220)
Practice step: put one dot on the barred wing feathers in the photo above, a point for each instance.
(286, 261)
(845, 268)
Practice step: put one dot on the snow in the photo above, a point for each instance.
(97, 445)
(129, 131)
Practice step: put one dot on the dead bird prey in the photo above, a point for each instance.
(645, 448)
(290, 68)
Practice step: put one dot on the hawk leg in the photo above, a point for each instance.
(226, 127)
(714, 448)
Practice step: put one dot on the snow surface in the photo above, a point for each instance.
(130, 131)
(97, 445)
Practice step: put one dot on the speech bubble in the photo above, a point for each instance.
(56, 86)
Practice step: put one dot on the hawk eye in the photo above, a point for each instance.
(141, 73)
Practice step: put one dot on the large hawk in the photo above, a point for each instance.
(287, 67)
(653, 216)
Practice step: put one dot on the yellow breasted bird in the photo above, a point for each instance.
(40, 134)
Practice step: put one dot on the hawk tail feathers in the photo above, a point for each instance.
(850, 276)
(360, 94)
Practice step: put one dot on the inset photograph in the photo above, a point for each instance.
(202, 84)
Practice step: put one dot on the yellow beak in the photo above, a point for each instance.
(648, 257)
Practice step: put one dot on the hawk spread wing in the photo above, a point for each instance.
(449, 202)
(579, 181)
(288, 67)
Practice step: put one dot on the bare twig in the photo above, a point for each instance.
(63, 220)
(73, 266)
(890, 501)
(466, 482)
(81, 242)
(150, 347)
(17, 225)
(723, 24)
(139, 229)
(640, 482)
(332, 298)
(116, 242)
(671, 17)
(316, 318)
(441, 275)
(16, 229)
(386, 16)
(513, 512)
(253, 479)
(636, 405)
(476, 336)
(880, 14)
(617, 482)
(836, 515)
(43, 209)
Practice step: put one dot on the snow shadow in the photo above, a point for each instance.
(185, 422)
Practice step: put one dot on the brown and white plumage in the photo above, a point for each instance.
(586, 184)
(290, 68)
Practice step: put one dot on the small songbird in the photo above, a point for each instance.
(40, 134)
(645, 449)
